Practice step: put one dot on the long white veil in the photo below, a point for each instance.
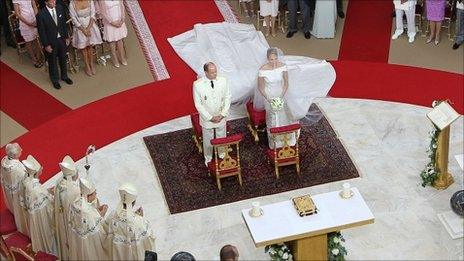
(238, 51)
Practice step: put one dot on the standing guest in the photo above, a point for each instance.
(130, 235)
(435, 15)
(211, 95)
(305, 6)
(340, 12)
(86, 33)
(6, 32)
(51, 22)
(12, 175)
(229, 253)
(66, 191)
(87, 236)
(114, 29)
(459, 38)
(38, 202)
(269, 9)
(408, 7)
(26, 10)
(248, 7)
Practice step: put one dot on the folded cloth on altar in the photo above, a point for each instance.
(238, 51)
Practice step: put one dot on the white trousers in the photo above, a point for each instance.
(410, 17)
(208, 135)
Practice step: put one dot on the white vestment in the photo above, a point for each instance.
(130, 235)
(66, 191)
(87, 236)
(12, 174)
(38, 203)
(211, 102)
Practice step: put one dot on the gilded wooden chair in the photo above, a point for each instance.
(287, 153)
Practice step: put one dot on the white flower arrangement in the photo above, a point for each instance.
(279, 252)
(430, 173)
(335, 250)
(277, 104)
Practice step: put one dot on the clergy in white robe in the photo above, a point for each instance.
(211, 96)
(38, 203)
(129, 233)
(12, 174)
(66, 191)
(87, 236)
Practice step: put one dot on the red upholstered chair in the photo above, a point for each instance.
(7, 224)
(42, 256)
(13, 21)
(229, 165)
(257, 120)
(15, 241)
(197, 131)
(286, 154)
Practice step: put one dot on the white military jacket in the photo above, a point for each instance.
(211, 101)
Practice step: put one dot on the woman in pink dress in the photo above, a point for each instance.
(435, 15)
(114, 30)
(86, 33)
(26, 10)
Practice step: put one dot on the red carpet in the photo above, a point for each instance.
(26, 103)
(122, 114)
(397, 83)
(366, 33)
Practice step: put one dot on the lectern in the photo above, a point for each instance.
(442, 116)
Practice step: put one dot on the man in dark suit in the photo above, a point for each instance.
(305, 9)
(53, 33)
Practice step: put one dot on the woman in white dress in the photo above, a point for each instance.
(273, 83)
(269, 9)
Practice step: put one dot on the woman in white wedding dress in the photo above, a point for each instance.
(273, 83)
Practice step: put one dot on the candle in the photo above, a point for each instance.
(346, 190)
(255, 211)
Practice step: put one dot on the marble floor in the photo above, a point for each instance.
(387, 142)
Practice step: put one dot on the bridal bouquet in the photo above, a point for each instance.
(277, 104)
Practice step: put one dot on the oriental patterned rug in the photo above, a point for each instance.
(187, 186)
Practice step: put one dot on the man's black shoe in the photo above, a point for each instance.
(341, 14)
(290, 34)
(56, 85)
(455, 46)
(307, 35)
(68, 81)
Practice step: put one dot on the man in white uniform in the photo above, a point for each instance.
(87, 236)
(211, 95)
(38, 203)
(12, 174)
(408, 7)
(130, 235)
(66, 191)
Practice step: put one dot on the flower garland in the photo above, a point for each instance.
(279, 252)
(430, 173)
(335, 250)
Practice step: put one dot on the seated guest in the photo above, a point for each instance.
(459, 38)
(114, 29)
(182, 256)
(38, 202)
(87, 237)
(26, 10)
(66, 191)
(229, 253)
(54, 38)
(130, 235)
(12, 174)
(408, 7)
(85, 33)
(435, 15)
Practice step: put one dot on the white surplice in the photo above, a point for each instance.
(87, 236)
(66, 191)
(38, 203)
(130, 235)
(12, 174)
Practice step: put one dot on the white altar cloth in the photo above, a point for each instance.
(280, 221)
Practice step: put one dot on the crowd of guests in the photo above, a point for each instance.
(47, 21)
(68, 220)
(435, 14)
